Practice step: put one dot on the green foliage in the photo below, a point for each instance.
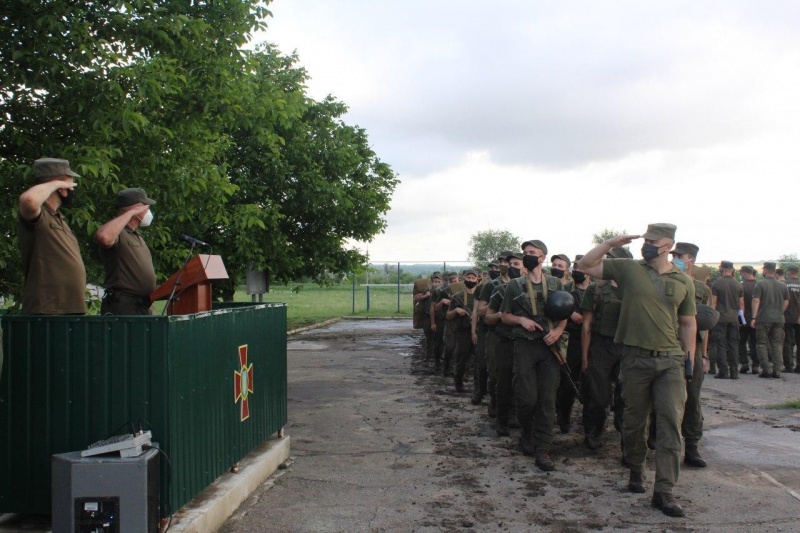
(792, 404)
(606, 234)
(160, 94)
(788, 259)
(486, 245)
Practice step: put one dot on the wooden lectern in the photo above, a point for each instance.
(193, 294)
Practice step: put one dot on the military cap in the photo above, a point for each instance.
(451, 274)
(472, 271)
(685, 248)
(505, 255)
(493, 264)
(660, 231)
(792, 268)
(747, 269)
(47, 167)
(133, 196)
(515, 255)
(536, 243)
(726, 264)
(779, 271)
(770, 265)
(563, 257)
(436, 274)
(620, 252)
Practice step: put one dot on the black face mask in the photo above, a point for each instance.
(530, 261)
(470, 284)
(579, 277)
(557, 273)
(66, 201)
(649, 252)
(513, 272)
(494, 274)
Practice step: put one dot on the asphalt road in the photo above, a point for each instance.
(381, 443)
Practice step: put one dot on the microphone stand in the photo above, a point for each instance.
(178, 280)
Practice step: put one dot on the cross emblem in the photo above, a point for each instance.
(243, 383)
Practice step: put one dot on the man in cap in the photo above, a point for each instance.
(459, 312)
(483, 336)
(684, 256)
(55, 277)
(536, 369)
(770, 300)
(792, 319)
(559, 268)
(130, 277)
(600, 354)
(422, 305)
(420, 292)
(658, 330)
(437, 312)
(747, 334)
(727, 297)
(449, 338)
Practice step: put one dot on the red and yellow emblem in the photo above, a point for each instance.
(243, 383)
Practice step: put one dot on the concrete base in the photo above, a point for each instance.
(212, 507)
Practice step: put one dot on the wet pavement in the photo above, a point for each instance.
(380, 442)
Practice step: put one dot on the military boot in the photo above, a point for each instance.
(592, 440)
(543, 460)
(744, 369)
(477, 396)
(460, 385)
(692, 457)
(666, 502)
(526, 443)
(492, 406)
(502, 428)
(722, 374)
(636, 481)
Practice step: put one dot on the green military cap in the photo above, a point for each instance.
(516, 255)
(474, 271)
(770, 265)
(726, 264)
(685, 248)
(792, 268)
(505, 255)
(620, 252)
(536, 243)
(493, 264)
(133, 196)
(563, 257)
(451, 274)
(660, 231)
(747, 269)
(436, 274)
(48, 167)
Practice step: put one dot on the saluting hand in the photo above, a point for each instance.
(622, 240)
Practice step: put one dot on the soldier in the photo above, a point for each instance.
(770, 300)
(600, 354)
(130, 276)
(456, 284)
(55, 277)
(421, 292)
(485, 374)
(658, 329)
(747, 335)
(559, 268)
(536, 370)
(792, 321)
(459, 312)
(684, 256)
(780, 275)
(727, 297)
(504, 346)
(424, 303)
(565, 397)
(439, 303)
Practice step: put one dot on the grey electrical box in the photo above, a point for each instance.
(105, 493)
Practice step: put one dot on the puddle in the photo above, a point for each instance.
(755, 445)
(305, 345)
(347, 326)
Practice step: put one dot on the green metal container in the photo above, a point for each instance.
(211, 387)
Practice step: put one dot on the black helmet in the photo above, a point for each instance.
(559, 305)
(707, 317)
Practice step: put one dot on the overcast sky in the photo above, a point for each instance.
(555, 120)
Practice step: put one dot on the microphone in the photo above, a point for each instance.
(192, 241)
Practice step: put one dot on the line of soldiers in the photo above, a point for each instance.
(635, 339)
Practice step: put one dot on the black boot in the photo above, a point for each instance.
(492, 407)
(692, 457)
(666, 502)
(636, 481)
(543, 461)
(526, 443)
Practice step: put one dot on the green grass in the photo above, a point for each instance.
(312, 304)
(795, 404)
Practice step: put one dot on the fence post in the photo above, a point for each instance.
(354, 293)
(398, 287)
(367, 297)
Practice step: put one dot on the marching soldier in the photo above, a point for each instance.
(459, 313)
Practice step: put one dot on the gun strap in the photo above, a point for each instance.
(532, 293)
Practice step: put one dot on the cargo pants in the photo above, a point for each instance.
(536, 379)
(602, 379)
(769, 344)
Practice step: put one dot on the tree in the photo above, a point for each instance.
(161, 94)
(606, 234)
(486, 245)
(787, 259)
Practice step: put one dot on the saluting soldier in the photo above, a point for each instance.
(658, 329)
(536, 369)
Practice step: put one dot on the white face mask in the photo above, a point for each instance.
(147, 220)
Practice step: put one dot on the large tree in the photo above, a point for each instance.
(161, 94)
(486, 245)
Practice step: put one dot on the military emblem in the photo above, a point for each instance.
(243, 383)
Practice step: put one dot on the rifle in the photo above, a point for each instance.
(456, 299)
(554, 349)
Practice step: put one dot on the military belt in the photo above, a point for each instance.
(641, 352)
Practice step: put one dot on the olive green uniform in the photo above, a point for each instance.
(55, 277)
(462, 327)
(652, 364)
(439, 319)
(565, 397)
(504, 359)
(603, 299)
(130, 277)
(422, 313)
(747, 334)
(450, 329)
(483, 375)
(769, 323)
(692, 425)
(791, 328)
(725, 335)
(536, 369)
